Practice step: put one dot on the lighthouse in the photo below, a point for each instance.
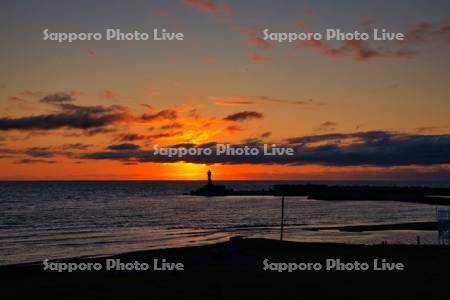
(209, 177)
(211, 190)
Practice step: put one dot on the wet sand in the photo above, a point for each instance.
(432, 226)
(234, 270)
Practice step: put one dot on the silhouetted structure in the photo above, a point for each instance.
(211, 189)
(443, 219)
(416, 194)
(282, 219)
(209, 177)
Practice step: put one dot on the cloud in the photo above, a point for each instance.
(364, 136)
(249, 100)
(373, 148)
(28, 93)
(33, 161)
(110, 94)
(45, 152)
(131, 137)
(166, 114)
(58, 98)
(148, 106)
(429, 33)
(75, 146)
(171, 126)
(243, 116)
(123, 147)
(89, 51)
(326, 126)
(431, 128)
(16, 99)
(254, 40)
(418, 38)
(183, 145)
(252, 142)
(90, 132)
(232, 100)
(114, 95)
(100, 130)
(259, 42)
(39, 152)
(279, 100)
(162, 12)
(164, 135)
(358, 50)
(266, 134)
(209, 6)
(70, 116)
(204, 5)
(234, 128)
(259, 59)
(234, 103)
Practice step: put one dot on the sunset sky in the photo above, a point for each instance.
(94, 109)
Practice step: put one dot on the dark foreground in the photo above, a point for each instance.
(234, 270)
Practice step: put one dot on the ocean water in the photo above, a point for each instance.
(40, 220)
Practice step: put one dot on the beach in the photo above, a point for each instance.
(235, 270)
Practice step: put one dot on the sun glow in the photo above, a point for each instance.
(187, 171)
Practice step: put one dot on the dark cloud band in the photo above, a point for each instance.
(374, 148)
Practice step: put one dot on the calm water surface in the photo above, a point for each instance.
(65, 219)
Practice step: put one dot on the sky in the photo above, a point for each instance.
(93, 110)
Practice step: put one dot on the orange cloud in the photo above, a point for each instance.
(254, 40)
(28, 93)
(233, 103)
(89, 51)
(171, 126)
(148, 106)
(165, 114)
(259, 59)
(203, 5)
(162, 12)
(358, 50)
(110, 94)
(249, 100)
(234, 128)
(17, 99)
(326, 126)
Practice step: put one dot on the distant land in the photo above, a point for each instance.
(415, 194)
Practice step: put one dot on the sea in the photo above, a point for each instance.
(54, 220)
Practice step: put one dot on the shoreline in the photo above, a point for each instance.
(238, 241)
(358, 228)
(422, 226)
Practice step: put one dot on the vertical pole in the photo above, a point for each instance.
(282, 218)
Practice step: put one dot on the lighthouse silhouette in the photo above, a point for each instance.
(209, 177)
(211, 190)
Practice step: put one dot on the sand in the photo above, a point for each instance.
(235, 270)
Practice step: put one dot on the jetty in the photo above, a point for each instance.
(416, 194)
